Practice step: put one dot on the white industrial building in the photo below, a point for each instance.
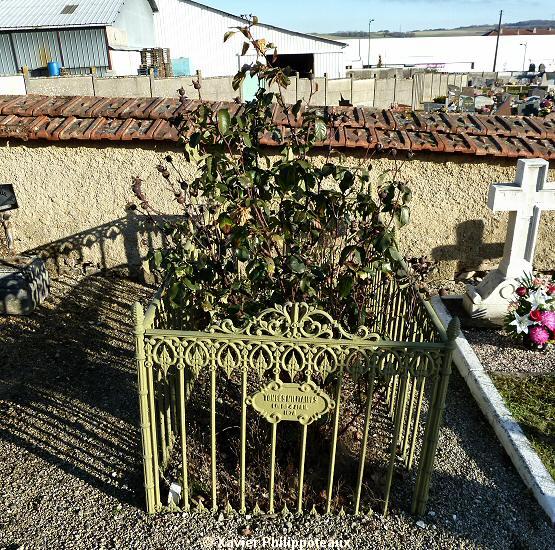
(108, 35)
(455, 53)
(195, 32)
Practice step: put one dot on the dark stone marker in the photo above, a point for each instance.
(24, 284)
(8, 200)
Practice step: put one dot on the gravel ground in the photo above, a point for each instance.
(500, 353)
(71, 473)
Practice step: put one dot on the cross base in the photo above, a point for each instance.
(489, 301)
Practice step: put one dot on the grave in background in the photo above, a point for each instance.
(24, 281)
(524, 199)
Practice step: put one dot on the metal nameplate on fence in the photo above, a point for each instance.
(302, 403)
(8, 200)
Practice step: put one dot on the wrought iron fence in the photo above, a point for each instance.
(224, 411)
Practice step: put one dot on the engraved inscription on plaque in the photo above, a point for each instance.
(302, 403)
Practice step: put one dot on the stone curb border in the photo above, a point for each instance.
(510, 434)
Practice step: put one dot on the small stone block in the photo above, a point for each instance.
(24, 284)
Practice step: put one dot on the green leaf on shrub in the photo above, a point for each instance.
(296, 265)
(225, 223)
(157, 258)
(243, 254)
(395, 254)
(345, 285)
(224, 121)
(404, 216)
(320, 130)
(347, 181)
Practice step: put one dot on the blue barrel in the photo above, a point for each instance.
(53, 68)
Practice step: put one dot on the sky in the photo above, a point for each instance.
(340, 15)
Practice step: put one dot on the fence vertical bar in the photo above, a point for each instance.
(183, 428)
(333, 450)
(304, 430)
(272, 469)
(161, 417)
(362, 458)
(242, 507)
(153, 427)
(213, 432)
(143, 408)
(425, 473)
(394, 442)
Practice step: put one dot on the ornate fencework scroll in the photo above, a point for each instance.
(290, 412)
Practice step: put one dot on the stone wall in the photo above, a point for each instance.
(73, 195)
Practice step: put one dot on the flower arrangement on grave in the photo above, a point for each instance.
(531, 315)
(259, 226)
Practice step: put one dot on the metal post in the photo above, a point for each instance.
(497, 43)
(525, 44)
(148, 463)
(369, 39)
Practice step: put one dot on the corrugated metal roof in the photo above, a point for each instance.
(32, 14)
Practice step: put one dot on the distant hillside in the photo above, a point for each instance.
(456, 31)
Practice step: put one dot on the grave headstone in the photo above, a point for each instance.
(8, 200)
(482, 101)
(524, 199)
(24, 281)
(539, 92)
(24, 284)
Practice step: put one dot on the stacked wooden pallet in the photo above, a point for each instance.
(157, 59)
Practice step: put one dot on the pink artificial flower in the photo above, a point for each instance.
(538, 335)
(522, 291)
(537, 282)
(536, 315)
(551, 289)
(548, 320)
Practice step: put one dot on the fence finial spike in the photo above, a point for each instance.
(453, 329)
(138, 315)
(256, 511)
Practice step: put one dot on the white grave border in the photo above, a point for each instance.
(523, 456)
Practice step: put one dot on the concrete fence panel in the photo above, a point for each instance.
(384, 94)
(363, 92)
(337, 88)
(127, 86)
(219, 89)
(404, 91)
(167, 87)
(65, 85)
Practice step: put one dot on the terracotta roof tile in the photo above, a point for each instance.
(125, 119)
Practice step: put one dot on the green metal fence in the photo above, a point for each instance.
(286, 385)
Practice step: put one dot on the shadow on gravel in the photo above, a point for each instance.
(478, 483)
(67, 384)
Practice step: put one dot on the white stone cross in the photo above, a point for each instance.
(525, 199)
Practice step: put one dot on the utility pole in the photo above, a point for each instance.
(497, 43)
(525, 44)
(369, 39)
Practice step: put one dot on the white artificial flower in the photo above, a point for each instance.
(522, 323)
(537, 298)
